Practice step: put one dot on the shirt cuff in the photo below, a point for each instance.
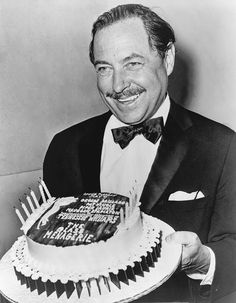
(208, 277)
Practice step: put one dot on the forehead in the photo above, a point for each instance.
(120, 39)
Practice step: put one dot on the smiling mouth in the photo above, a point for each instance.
(128, 100)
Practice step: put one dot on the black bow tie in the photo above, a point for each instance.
(151, 130)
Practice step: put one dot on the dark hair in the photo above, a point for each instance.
(160, 33)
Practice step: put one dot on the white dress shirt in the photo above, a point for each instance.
(121, 168)
(124, 169)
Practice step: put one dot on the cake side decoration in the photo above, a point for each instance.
(83, 243)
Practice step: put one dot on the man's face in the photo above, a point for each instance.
(131, 77)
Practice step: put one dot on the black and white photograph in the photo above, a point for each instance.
(117, 151)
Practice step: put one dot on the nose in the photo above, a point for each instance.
(119, 81)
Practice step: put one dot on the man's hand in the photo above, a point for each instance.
(195, 255)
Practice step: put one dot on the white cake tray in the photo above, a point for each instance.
(11, 288)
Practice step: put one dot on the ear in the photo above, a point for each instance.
(170, 58)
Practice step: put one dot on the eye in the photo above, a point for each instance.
(134, 65)
(103, 70)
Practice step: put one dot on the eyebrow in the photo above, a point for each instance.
(132, 56)
(101, 62)
(126, 59)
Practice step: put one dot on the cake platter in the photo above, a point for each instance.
(11, 288)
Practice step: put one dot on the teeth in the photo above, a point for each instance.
(132, 98)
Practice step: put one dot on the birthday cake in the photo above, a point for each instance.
(74, 245)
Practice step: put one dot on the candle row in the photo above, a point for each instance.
(32, 198)
(126, 212)
(130, 205)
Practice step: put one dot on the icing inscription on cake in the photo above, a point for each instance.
(74, 221)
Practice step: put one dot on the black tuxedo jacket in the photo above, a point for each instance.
(194, 154)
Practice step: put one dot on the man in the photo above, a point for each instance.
(184, 154)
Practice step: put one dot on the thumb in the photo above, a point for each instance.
(181, 237)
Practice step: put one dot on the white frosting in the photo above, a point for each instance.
(89, 259)
(53, 265)
(36, 214)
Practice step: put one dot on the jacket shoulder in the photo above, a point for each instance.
(204, 124)
(83, 128)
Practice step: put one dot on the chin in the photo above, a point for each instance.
(130, 120)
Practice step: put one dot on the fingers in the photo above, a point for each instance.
(195, 256)
(182, 237)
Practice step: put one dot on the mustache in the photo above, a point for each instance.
(126, 93)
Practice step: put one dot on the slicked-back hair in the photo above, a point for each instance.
(160, 33)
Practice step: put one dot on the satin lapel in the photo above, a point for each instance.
(171, 152)
(90, 149)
